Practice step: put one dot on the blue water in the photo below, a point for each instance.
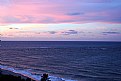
(81, 61)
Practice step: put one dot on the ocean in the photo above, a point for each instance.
(63, 60)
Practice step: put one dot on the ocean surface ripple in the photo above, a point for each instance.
(64, 61)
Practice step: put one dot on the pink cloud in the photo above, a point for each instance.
(80, 11)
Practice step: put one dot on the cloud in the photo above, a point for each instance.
(70, 32)
(13, 28)
(5, 2)
(10, 19)
(47, 20)
(52, 32)
(75, 14)
(98, 1)
(105, 33)
(60, 11)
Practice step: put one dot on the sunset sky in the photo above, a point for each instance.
(60, 20)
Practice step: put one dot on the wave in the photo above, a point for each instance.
(27, 73)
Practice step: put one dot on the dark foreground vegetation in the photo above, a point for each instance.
(13, 78)
(9, 77)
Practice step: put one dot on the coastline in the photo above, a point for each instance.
(7, 73)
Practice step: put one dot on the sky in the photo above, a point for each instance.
(60, 20)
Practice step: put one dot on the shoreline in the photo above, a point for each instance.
(7, 73)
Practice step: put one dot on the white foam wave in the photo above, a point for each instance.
(28, 74)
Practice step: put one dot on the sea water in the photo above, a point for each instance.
(63, 60)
